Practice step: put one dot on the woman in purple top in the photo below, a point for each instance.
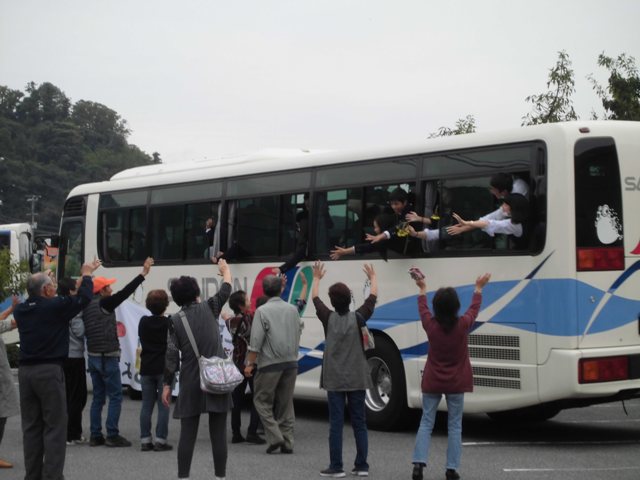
(448, 370)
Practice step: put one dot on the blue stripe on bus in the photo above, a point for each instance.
(625, 275)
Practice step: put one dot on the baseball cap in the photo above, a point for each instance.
(100, 282)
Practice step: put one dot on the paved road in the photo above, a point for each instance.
(594, 443)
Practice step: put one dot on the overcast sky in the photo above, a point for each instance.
(204, 79)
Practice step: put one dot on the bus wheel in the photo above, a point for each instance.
(535, 414)
(387, 401)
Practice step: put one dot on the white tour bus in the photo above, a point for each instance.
(559, 325)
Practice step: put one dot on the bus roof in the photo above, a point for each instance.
(275, 160)
(16, 227)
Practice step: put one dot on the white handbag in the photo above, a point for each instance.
(217, 375)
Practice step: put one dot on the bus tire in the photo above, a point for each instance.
(535, 414)
(386, 402)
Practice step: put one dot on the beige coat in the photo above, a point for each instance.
(8, 394)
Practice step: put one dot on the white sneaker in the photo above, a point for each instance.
(79, 441)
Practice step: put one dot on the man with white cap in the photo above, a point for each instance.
(103, 348)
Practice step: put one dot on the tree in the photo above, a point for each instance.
(45, 102)
(621, 97)
(463, 125)
(101, 126)
(556, 104)
(9, 100)
(13, 275)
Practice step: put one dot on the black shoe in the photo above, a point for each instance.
(117, 441)
(417, 471)
(451, 474)
(284, 449)
(237, 438)
(274, 447)
(96, 441)
(333, 473)
(255, 438)
(161, 447)
(146, 447)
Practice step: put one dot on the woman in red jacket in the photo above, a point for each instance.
(448, 370)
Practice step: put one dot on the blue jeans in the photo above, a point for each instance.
(107, 382)
(152, 394)
(355, 402)
(430, 401)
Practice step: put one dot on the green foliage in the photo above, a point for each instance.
(463, 125)
(13, 275)
(554, 105)
(48, 145)
(621, 97)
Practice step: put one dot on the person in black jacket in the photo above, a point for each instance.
(103, 348)
(43, 324)
(153, 331)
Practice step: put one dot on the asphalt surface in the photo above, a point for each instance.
(599, 442)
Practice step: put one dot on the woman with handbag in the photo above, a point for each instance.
(345, 370)
(202, 320)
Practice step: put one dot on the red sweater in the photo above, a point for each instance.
(448, 368)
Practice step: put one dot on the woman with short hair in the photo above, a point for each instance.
(202, 318)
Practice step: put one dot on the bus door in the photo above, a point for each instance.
(605, 317)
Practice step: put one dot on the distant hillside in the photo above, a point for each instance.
(49, 145)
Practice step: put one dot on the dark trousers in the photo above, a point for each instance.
(75, 378)
(43, 406)
(239, 397)
(217, 435)
(3, 422)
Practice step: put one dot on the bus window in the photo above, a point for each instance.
(470, 199)
(167, 232)
(344, 217)
(337, 214)
(197, 246)
(293, 222)
(71, 245)
(257, 226)
(599, 229)
(123, 235)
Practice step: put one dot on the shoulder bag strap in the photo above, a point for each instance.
(360, 320)
(187, 329)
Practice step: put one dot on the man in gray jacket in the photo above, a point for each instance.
(275, 339)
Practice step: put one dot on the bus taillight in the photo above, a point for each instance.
(606, 369)
(600, 258)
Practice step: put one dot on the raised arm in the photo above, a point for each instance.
(318, 273)
(305, 287)
(472, 312)
(423, 307)
(223, 269)
(220, 298)
(15, 300)
(373, 278)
